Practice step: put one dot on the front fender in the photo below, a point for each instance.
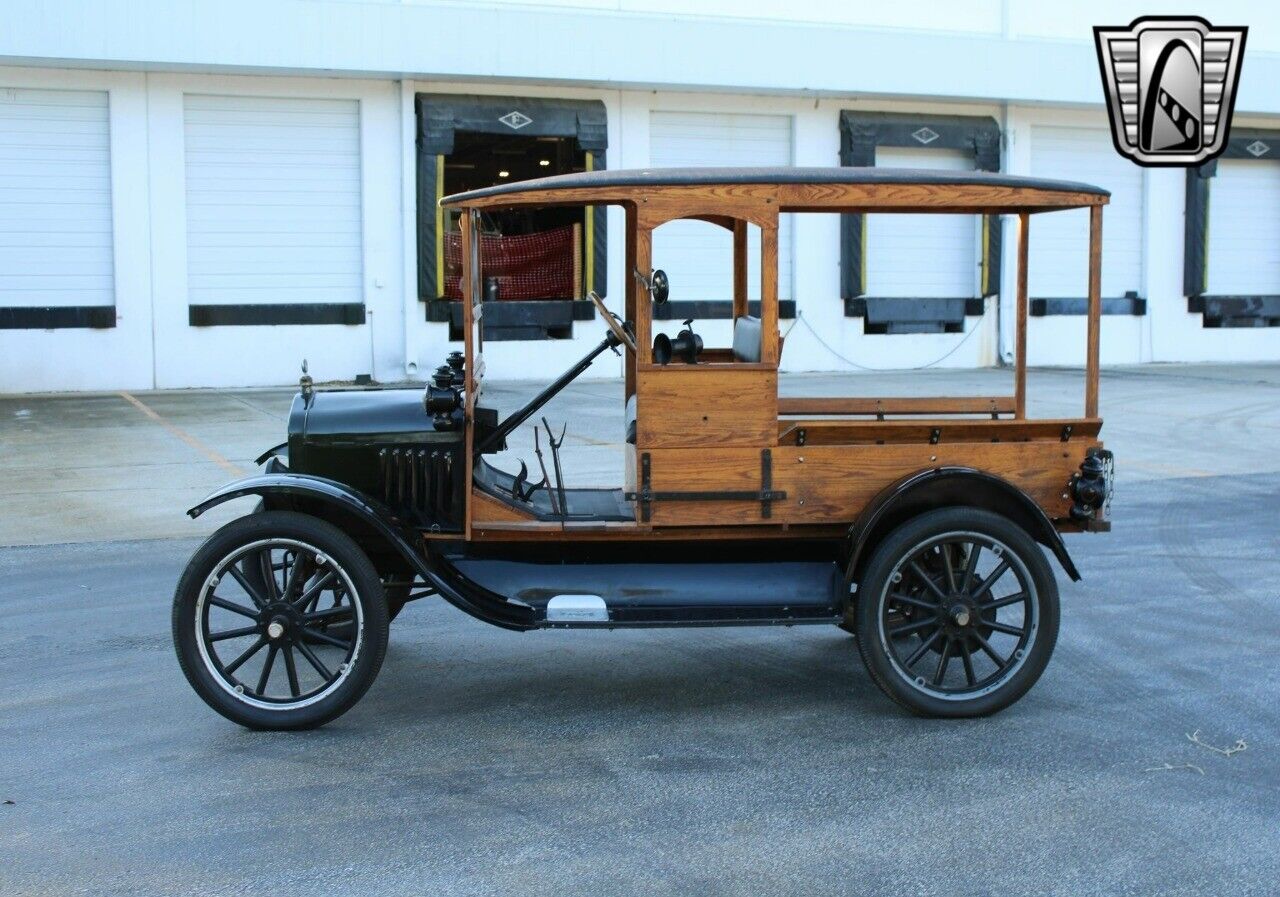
(351, 503)
(378, 515)
(940, 487)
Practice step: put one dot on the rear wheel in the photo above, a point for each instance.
(957, 614)
(279, 621)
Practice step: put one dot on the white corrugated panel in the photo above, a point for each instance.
(698, 257)
(55, 198)
(1060, 240)
(273, 200)
(1244, 228)
(922, 255)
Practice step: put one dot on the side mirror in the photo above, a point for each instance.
(659, 286)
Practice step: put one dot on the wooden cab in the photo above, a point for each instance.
(712, 449)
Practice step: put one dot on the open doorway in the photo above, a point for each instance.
(541, 263)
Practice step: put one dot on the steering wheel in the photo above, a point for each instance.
(622, 335)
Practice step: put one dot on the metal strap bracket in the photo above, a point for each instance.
(766, 494)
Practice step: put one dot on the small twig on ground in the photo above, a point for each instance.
(1172, 766)
(1240, 745)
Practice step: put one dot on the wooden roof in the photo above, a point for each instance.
(796, 189)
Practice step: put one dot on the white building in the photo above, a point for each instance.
(198, 193)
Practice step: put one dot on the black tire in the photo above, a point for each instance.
(326, 562)
(912, 622)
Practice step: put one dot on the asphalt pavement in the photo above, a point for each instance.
(709, 761)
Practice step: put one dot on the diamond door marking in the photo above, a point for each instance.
(515, 120)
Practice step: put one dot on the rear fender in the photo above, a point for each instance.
(943, 487)
(378, 530)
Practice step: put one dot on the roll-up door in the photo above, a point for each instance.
(1244, 229)
(697, 256)
(1060, 240)
(273, 208)
(56, 261)
(922, 255)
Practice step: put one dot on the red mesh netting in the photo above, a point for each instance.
(533, 266)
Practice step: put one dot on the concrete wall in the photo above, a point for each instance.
(1019, 62)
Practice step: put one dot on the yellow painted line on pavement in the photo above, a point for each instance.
(227, 465)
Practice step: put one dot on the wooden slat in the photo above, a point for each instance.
(1020, 339)
(719, 199)
(914, 198)
(704, 405)
(921, 432)
(898, 405)
(1095, 313)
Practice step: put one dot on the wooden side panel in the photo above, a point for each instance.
(699, 405)
(831, 484)
(487, 509)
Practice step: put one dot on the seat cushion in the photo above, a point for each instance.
(746, 339)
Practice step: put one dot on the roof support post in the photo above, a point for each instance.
(1095, 312)
(740, 305)
(630, 293)
(1020, 337)
(769, 292)
(643, 240)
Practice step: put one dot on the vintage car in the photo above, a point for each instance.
(923, 526)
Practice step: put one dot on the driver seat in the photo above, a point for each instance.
(747, 339)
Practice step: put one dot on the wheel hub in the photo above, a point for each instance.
(278, 620)
(960, 614)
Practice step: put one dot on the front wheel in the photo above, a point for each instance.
(279, 621)
(957, 613)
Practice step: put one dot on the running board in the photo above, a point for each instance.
(585, 595)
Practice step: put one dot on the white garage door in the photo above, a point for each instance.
(922, 255)
(1244, 229)
(698, 257)
(273, 200)
(55, 198)
(1060, 240)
